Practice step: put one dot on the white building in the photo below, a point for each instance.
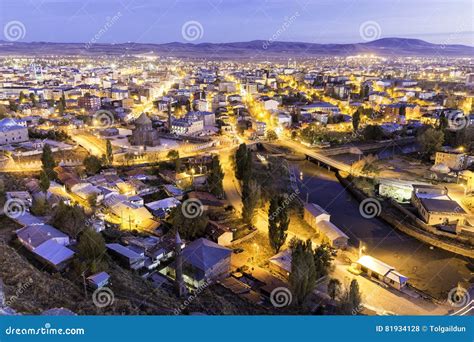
(12, 132)
(187, 127)
(319, 219)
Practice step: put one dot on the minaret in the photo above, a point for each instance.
(179, 282)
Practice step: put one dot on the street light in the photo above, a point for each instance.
(361, 250)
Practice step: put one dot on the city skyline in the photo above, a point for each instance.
(237, 21)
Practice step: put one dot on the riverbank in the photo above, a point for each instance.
(394, 215)
(432, 270)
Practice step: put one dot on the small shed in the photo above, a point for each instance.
(379, 270)
(98, 280)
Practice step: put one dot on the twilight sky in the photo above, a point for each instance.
(160, 21)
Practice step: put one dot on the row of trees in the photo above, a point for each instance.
(349, 298)
(307, 266)
(251, 191)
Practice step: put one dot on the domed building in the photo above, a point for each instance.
(144, 134)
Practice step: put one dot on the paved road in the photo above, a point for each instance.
(230, 183)
(386, 301)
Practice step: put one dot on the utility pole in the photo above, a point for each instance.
(84, 284)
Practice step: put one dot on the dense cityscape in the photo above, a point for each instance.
(148, 185)
(217, 166)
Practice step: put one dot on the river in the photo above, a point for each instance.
(428, 268)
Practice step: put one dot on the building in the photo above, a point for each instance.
(163, 207)
(456, 161)
(131, 216)
(435, 206)
(319, 219)
(380, 271)
(98, 280)
(126, 256)
(204, 261)
(92, 103)
(407, 110)
(260, 128)
(323, 107)
(12, 132)
(396, 189)
(189, 125)
(35, 235)
(281, 263)
(47, 244)
(144, 134)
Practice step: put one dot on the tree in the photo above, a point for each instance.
(33, 99)
(92, 164)
(174, 156)
(356, 120)
(13, 106)
(92, 199)
(39, 206)
(189, 225)
(243, 162)
(402, 111)
(334, 288)
(109, 155)
(22, 97)
(91, 251)
(271, 135)
(3, 111)
(61, 108)
(373, 132)
(430, 141)
(63, 101)
(322, 260)
(47, 159)
(278, 222)
(303, 275)
(44, 181)
(250, 198)
(69, 219)
(351, 299)
(367, 165)
(443, 122)
(215, 177)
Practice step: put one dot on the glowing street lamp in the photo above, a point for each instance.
(362, 249)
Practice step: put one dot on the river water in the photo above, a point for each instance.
(428, 268)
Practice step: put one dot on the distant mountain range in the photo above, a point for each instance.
(257, 49)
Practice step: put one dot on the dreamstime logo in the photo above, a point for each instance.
(370, 208)
(457, 121)
(109, 22)
(357, 310)
(192, 30)
(286, 202)
(14, 208)
(280, 297)
(192, 208)
(370, 30)
(103, 297)
(191, 298)
(458, 297)
(19, 291)
(14, 30)
(286, 24)
(103, 118)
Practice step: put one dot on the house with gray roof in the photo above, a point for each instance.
(204, 262)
